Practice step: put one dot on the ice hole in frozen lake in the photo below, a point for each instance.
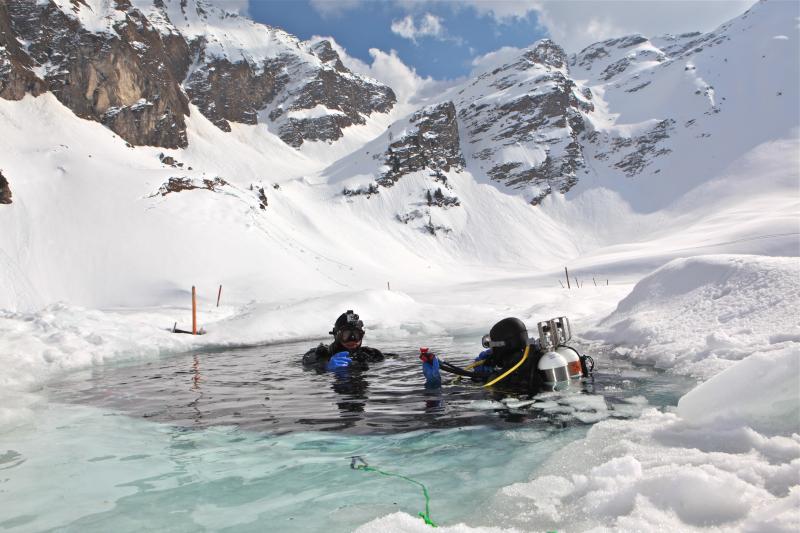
(247, 439)
(267, 389)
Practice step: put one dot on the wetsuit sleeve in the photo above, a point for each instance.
(372, 355)
(316, 356)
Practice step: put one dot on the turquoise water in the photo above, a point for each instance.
(110, 451)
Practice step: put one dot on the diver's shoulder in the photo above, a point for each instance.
(313, 355)
(372, 354)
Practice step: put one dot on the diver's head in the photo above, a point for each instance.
(348, 330)
(508, 335)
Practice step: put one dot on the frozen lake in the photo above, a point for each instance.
(249, 440)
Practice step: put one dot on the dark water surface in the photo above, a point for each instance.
(267, 389)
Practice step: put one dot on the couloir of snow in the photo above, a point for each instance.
(700, 260)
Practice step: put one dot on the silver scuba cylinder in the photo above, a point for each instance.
(553, 368)
(573, 361)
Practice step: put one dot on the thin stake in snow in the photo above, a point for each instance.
(194, 311)
(576, 282)
(388, 288)
(219, 294)
(562, 285)
(566, 273)
(595, 281)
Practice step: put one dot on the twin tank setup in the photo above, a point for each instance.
(559, 363)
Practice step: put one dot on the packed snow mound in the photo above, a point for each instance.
(697, 315)
(762, 391)
(655, 473)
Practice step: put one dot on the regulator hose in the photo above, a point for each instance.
(447, 367)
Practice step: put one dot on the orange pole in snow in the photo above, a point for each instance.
(194, 311)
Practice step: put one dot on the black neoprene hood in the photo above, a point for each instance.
(512, 332)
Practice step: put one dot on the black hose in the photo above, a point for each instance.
(447, 367)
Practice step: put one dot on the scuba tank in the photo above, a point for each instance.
(574, 368)
(560, 363)
(554, 334)
(552, 368)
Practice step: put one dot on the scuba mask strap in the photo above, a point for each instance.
(487, 342)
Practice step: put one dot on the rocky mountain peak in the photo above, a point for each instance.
(546, 52)
(325, 52)
(136, 67)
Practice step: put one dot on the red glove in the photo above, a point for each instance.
(426, 356)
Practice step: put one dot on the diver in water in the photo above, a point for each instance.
(512, 360)
(346, 350)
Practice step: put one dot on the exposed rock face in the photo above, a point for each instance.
(118, 78)
(5, 190)
(16, 76)
(187, 184)
(235, 92)
(524, 119)
(636, 152)
(135, 69)
(432, 143)
(345, 99)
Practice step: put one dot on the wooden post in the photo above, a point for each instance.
(194, 311)
(566, 273)
(606, 282)
(219, 294)
(388, 288)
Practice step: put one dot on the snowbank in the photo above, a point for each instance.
(762, 392)
(700, 314)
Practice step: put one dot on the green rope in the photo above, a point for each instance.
(426, 516)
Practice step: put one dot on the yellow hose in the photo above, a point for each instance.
(479, 362)
(512, 369)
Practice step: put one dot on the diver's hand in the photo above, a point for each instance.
(339, 361)
(430, 369)
(482, 369)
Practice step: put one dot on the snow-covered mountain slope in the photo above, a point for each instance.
(649, 119)
(675, 111)
(97, 223)
(134, 66)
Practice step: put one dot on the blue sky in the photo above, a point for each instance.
(439, 39)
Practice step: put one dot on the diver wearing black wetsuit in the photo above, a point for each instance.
(511, 360)
(346, 350)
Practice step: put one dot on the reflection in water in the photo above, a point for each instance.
(196, 379)
(353, 386)
(267, 389)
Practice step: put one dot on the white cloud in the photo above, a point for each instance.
(389, 69)
(429, 26)
(240, 7)
(575, 24)
(494, 59)
(334, 8)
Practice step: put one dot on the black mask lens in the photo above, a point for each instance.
(351, 335)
